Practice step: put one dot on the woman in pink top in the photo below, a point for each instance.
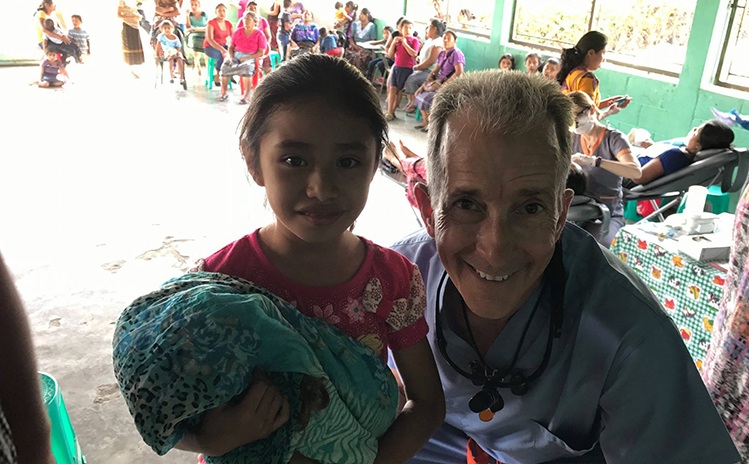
(403, 50)
(247, 45)
(216, 32)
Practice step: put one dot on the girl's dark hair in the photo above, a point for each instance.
(388, 28)
(352, 5)
(335, 80)
(531, 55)
(715, 134)
(439, 25)
(510, 57)
(338, 5)
(400, 20)
(365, 12)
(574, 57)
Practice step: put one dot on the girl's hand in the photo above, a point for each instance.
(261, 411)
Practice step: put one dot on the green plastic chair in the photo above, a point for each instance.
(65, 447)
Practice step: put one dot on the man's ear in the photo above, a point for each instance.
(564, 209)
(421, 192)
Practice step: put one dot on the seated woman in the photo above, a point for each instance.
(711, 134)
(363, 30)
(247, 46)
(606, 157)
(450, 63)
(304, 36)
(217, 31)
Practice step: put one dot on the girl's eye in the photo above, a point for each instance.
(294, 161)
(348, 163)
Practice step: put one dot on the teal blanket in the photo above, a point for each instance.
(193, 345)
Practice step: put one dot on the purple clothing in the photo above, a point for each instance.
(305, 33)
(50, 70)
(447, 60)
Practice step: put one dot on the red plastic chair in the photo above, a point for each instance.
(338, 51)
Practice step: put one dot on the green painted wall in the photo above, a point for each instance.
(667, 107)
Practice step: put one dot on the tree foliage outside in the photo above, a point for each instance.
(646, 33)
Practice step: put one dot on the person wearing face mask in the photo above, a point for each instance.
(576, 74)
(606, 157)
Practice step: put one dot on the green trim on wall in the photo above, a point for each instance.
(667, 107)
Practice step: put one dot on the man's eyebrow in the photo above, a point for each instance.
(531, 192)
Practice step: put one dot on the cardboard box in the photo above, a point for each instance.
(707, 247)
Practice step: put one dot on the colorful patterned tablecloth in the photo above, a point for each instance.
(689, 290)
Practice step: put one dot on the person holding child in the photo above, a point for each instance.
(48, 10)
(403, 50)
(317, 180)
(58, 42)
(247, 47)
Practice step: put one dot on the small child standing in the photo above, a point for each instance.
(50, 69)
(79, 36)
(59, 42)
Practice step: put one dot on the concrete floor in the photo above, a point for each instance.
(101, 204)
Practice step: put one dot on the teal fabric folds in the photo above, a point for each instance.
(193, 344)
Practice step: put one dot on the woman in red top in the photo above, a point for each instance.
(216, 32)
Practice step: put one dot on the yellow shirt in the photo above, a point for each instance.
(583, 80)
(42, 15)
(340, 14)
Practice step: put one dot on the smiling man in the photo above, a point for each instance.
(549, 348)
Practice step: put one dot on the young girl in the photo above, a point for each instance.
(403, 50)
(317, 180)
(169, 49)
(50, 69)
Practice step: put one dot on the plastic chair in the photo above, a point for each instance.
(65, 447)
(210, 72)
(338, 52)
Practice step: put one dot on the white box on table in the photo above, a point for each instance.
(706, 247)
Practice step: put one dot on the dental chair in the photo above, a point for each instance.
(585, 209)
(726, 167)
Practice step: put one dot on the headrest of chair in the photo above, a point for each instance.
(704, 154)
(578, 200)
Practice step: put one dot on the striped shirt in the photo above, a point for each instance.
(80, 38)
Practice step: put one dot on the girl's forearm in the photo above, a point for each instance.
(410, 431)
